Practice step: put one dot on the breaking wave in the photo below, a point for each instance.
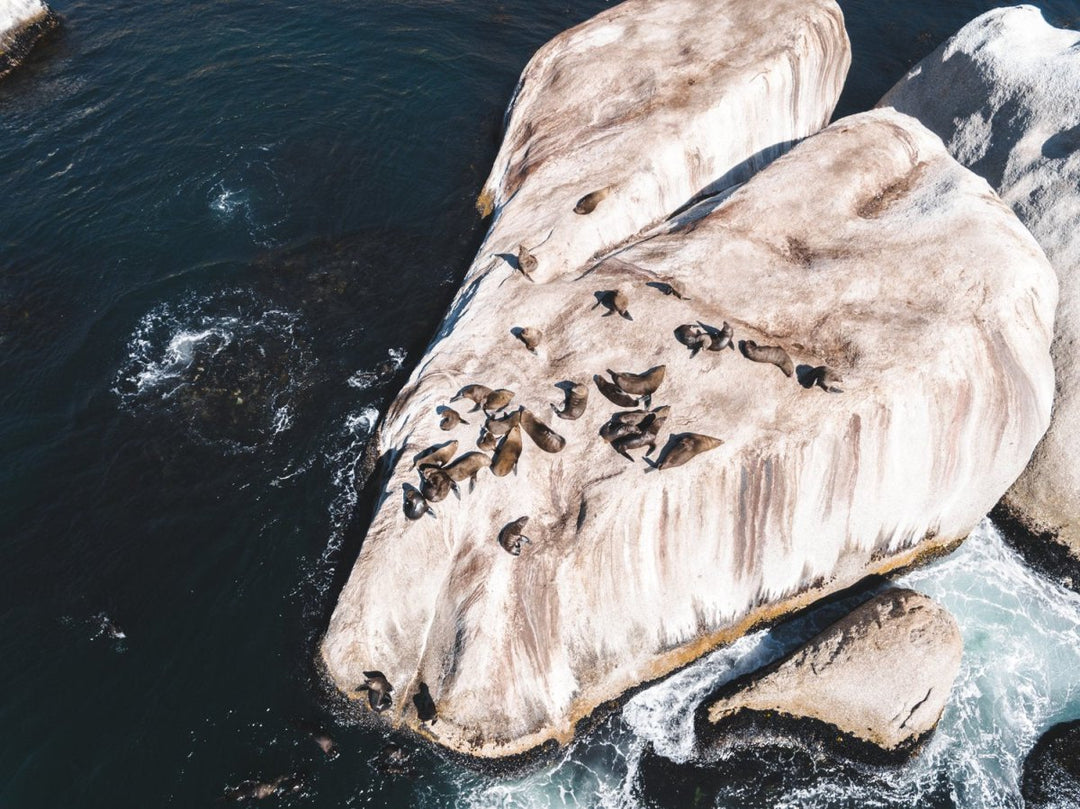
(227, 364)
(1021, 651)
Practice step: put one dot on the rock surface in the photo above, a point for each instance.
(22, 23)
(881, 674)
(648, 104)
(1052, 769)
(1004, 96)
(905, 273)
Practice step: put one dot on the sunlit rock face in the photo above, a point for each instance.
(652, 103)
(868, 249)
(22, 23)
(1004, 95)
(880, 676)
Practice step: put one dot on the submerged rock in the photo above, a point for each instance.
(1004, 96)
(22, 24)
(880, 676)
(1052, 769)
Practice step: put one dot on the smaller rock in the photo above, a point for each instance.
(880, 676)
(1052, 769)
(22, 24)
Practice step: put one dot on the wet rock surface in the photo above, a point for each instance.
(22, 24)
(1002, 94)
(877, 680)
(1052, 769)
(781, 492)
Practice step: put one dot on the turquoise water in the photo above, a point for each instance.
(228, 230)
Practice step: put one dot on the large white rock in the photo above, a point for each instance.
(22, 22)
(1004, 96)
(881, 675)
(656, 101)
(868, 248)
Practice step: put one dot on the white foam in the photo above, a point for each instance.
(17, 13)
(1021, 654)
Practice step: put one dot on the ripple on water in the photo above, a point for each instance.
(228, 365)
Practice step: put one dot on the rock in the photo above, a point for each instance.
(902, 271)
(1004, 96)
(22, 24)
(634, 112)
(881, 676)
(1052, 769)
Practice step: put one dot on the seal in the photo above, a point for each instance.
(719, 338)
(501, 426)
(587, 204)
(635, 429)
(424, 704)
(529, 336)
(825, 378)
(684, 447)
(379, 690)
(497, 400)
(467, 466)
(508, 453)
(436, 454)
(643, 384)
(319, 735)
(435, 484)
(771, 354)
(474, 393)
(394, 759)
(577, 398)
(527, 262)
(450, 418)
(415, 506)
(612, 393)
(487, 440)
(693, 337)
(258, 790)
(615, 301)
(669, 287)
(510, 537)
(543, 436)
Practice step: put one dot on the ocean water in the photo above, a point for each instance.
(227, 232)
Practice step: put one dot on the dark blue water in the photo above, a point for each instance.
(227, 231)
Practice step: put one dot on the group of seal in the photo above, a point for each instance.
(701, 336)
(698, 336)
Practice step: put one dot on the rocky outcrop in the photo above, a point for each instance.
(22, 24)
(903, 272)
(880, 676)
(1004, 96)
(646, 106)
(1052, 769)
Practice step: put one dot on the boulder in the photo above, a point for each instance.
(647, 106)
(22, 24)
(901, 270)
(880, 676)
(1052, 769)
(1004, 96)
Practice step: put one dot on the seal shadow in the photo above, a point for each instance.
(806, 376)
(510, 259)
(424, 453)
(1062, 144)
(606, 298)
